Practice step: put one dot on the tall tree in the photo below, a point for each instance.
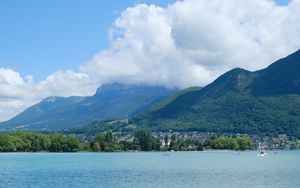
(166, 140)
(173, 143)
(109, 137)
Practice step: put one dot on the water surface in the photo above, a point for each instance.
(177, 169)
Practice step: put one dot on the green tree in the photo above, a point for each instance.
(173, 143)
(95, 146)
(244, 143)
(71, 143)
(143, 140)
(166, 140)
(56, 143)
(127, 146)
(7, 143)
(199, 145)
(99, 137)
(108, 137)
(182, 144)
(232, 144)
(156, 144)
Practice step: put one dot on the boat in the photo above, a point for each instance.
(261, 151)
(236, 153)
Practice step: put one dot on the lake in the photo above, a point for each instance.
(154, 169)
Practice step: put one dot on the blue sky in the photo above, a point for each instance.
(39, 37)
(282, 2)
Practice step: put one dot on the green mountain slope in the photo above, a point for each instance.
(240, 101)
(111, 101)
(171, 98)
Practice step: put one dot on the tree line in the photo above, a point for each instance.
(230, 143)
(143, 140)
(36, 142)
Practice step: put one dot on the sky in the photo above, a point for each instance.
(67, 48)
(52, 35)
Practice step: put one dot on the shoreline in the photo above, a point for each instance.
(169, 152)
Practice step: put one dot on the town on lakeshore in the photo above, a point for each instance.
(140, 140)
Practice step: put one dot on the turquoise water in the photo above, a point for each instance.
(179, 169)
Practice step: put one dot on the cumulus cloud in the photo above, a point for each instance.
(10, 77)
(188, 43)
(192, 42)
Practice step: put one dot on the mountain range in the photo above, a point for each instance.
(111, 101)
(261, 102)
(266, 101)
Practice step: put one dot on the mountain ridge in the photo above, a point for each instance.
(111, 101)
(239, 101)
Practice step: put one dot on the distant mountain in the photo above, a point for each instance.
(111, 101)
(262, 102)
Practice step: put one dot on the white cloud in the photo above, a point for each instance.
(192, 42)
(16, 94)
(10, 77)
(66, 83)
(189, 43)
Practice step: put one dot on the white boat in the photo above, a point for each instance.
(236, 153)
(261, 152)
